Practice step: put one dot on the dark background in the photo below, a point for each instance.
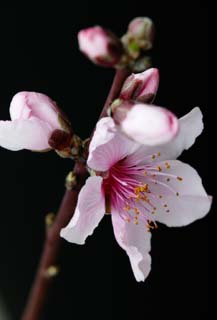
(39, 52)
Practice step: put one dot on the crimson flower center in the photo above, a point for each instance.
(129, 190)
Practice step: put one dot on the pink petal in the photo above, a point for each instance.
(108, 146)
(24, 134)
(190, 127)
(185, 202)
(135, 240)
(26, 105)
(149, 125)
(89, 212)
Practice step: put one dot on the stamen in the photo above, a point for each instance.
(151, 225)
(168, 166)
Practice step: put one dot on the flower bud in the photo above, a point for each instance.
(100, 45)
(36, 124)
(142, 29)
(141, 86)
(146, 124)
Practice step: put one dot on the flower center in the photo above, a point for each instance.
(137, 191)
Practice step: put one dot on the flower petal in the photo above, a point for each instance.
(24, 134)
(182, 196)
(190, 127)
(135, 240)
(108, 146)
(88, 213)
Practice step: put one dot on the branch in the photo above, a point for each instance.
(43, 281)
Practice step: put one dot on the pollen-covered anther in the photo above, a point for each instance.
(159, 168)
(153, 210)
(140, 189)
(136, 221)
(179, 178)
(151, 225)
(127, 208)
(153, 157)
(136, 211)
(168, 166)
(158, 154)
(146, 199)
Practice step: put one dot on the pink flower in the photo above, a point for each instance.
(100, 45)
(36, 124)
(141, 86)
(138, 185)
(147, 124)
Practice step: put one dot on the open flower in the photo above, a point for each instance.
(138, 186)
(36, 124)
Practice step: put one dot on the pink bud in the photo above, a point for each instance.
(141, 86)
(100, 45)
(35, 120)
(146, 124)
(142, 28)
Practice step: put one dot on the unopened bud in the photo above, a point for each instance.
(145, 124)
(101, 46)
(139, 37)
(37, 123)
(141, 86)
(142, 29)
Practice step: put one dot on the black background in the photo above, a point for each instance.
(39, 52)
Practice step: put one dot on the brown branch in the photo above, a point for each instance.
(117, 84)
(43, 280)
